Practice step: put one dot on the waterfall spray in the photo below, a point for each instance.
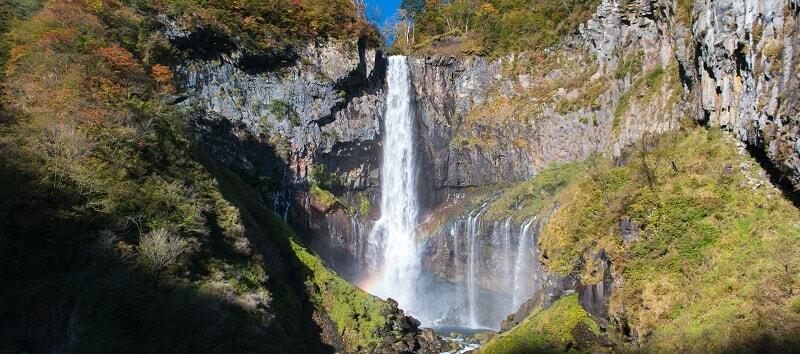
(505, 239)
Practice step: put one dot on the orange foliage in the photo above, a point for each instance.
(107, 90)
(64, 36)
(163, 76)
(121, 59)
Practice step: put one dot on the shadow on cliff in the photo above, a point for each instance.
(776, 176)
(61, 291)
(271, 237)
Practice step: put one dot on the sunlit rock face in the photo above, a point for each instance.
(747, 75)
(479, 121)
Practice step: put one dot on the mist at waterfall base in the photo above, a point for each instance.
(493, 264)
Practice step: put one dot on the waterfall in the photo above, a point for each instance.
(281, 200)
(505, 241)
(455, 235)
(393, 237)
(519, 263)
(358, 243)
(474, 245)
(393, 257)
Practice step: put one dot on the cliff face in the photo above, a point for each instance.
(322, 107)
(488, 121)
(747, 75)
(311, 122)
(724, 63)
(635, 69)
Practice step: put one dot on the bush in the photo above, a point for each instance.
(270, 27)
(551, 330)
(158, 249)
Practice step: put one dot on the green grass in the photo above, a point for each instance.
(529, 198)
(356, 313)
(551, 330)
(326, 198)
(712, 265)
(364, 207)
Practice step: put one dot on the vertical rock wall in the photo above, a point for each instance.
(747, 75)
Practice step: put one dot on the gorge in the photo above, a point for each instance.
(504, 176)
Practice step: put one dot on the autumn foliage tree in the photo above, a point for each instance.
(163, 76)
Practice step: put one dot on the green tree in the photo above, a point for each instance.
(413, 7)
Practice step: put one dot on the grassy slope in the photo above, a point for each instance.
(356, 313)
(529, 198)
(714, 268)
(715, 264)
(96, 157)
(557, 329)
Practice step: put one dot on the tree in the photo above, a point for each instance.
(413, 7)
(650, 161)
(158, 249)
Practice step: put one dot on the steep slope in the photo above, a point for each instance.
(598, 88)
(683, 237)
(210, 121)
(699, 245)
(120, 234)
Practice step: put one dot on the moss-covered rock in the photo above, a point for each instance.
(563, 327)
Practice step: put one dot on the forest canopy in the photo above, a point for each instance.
(486, 27)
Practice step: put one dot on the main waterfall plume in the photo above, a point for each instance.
(394, 252)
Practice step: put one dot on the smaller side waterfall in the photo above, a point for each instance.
(519, 262)
(492, 268)
(507, 264)
(473, 226)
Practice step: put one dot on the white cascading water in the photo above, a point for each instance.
(505, 239)
(393, 238)
(521, 259)
(471, 286)
(393, 255)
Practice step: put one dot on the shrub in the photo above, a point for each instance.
(158, 249)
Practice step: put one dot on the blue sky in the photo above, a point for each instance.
(387, 8)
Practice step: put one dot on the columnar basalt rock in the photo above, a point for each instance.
(325, 106)
(747, 65)
(312, 118)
